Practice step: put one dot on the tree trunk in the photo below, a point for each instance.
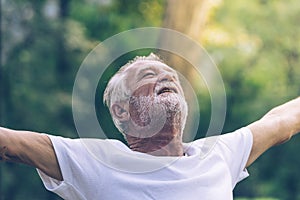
(188, 17)
(63, 67)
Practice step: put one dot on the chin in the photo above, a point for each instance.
(166, 111)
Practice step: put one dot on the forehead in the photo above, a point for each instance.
(140, 66)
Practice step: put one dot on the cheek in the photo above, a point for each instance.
(144, 90)
(139, 104)
(139, 110)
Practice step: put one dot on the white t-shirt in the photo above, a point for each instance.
(95, 169)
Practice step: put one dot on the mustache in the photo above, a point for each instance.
(160, 87)
(145, 106)
(155, 89)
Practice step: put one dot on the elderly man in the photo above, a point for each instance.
(147, 105)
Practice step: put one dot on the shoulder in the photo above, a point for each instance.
(234, 142)
(232, 149)
(241, 135)
(81, 146)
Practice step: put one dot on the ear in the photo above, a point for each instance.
(120, 112)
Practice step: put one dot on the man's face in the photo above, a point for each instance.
(157, 99)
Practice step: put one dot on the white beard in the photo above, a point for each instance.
(150, 114)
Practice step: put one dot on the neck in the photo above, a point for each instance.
(161, 144)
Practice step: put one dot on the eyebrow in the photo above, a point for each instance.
(150, 67)
(143, 71)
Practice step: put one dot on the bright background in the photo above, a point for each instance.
(255, 45)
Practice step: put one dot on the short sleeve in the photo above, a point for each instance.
(235, 149)
(71, 157)
(61, 188)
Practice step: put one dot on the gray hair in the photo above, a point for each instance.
(117, 90)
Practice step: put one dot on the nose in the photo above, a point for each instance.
(166, 76)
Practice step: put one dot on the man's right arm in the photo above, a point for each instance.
(30, 148)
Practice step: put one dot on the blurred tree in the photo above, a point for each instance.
(62, 66)
(255, 46)
(188, 17)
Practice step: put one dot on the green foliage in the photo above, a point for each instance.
(264, 198)
(255, 45)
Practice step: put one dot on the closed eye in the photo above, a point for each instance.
(149, 75)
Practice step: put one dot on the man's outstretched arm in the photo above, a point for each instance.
(29, 148)
(276, 127)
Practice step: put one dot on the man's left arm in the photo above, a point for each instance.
(276, 127)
